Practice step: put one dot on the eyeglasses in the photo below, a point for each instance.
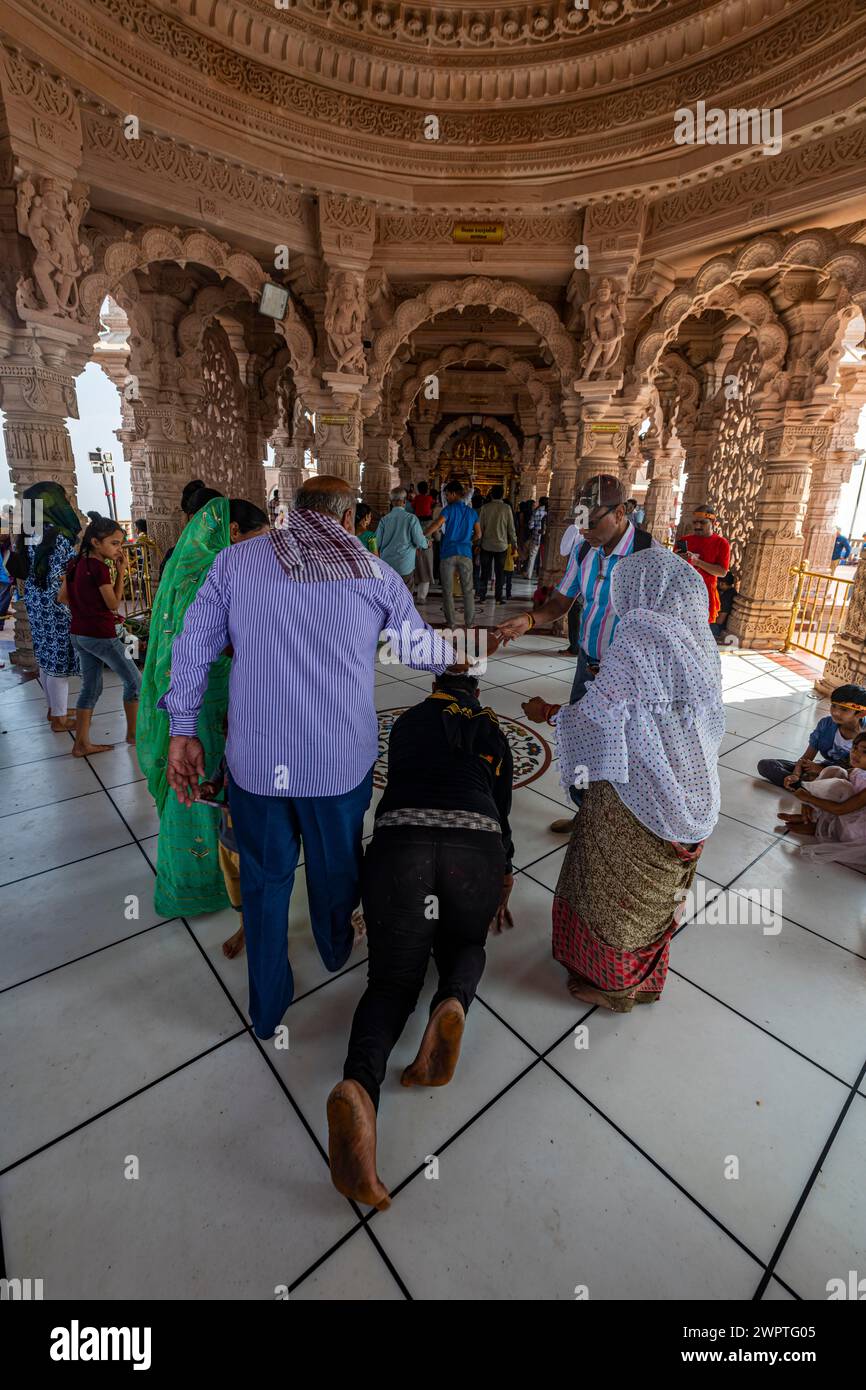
(593, 521)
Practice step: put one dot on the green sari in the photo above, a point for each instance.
(189, 879)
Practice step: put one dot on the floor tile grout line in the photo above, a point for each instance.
(452, 1138)
(760, 1027)
(97, 853)
(744, 892)
(655, 1163)
(123, 1100)
(97, 950)
(810, 1182)
(61, 800)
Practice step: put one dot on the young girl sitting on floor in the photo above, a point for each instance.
(835, 812)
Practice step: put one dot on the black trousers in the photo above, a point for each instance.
(422, 890)
(495, 560)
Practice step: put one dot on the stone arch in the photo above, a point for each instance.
(753, 307)
(457, 354)
(456, 294)
(717, 286)
(489, 422)
(115, 257)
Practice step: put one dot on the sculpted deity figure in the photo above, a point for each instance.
(51, 218)
(344, 322)
(604, 327)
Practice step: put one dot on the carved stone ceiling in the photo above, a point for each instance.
(566, 104)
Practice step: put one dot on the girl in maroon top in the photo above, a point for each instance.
(94, 602)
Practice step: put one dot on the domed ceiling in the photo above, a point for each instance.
(482, 106)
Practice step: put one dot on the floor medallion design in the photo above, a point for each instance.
(531, 752)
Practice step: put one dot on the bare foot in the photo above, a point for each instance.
(61, 724)
(70, 714)
(86, 750)
(234, 944)
(587, 994)
(440, 1047)
(352, 1146)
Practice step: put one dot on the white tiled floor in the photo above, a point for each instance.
(558, 1165)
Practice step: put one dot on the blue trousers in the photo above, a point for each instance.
(269, 831)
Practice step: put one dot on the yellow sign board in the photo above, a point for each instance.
(602, 427)
(334, 419)
(492, 232)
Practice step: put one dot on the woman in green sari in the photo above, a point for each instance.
(189, 880)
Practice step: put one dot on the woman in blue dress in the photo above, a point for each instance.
(49, 553)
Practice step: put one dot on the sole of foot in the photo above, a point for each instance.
(564, 826)
(440, 1047)
(352, 1146)
(89, 749)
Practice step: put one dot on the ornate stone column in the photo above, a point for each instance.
(847, 660)
(831, 469)
(37, 393)
(775, 544)
(380, 457)
(698, 457)
(666, 461)
(338, 442)
(563, 482)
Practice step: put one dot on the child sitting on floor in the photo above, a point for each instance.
(834, 812)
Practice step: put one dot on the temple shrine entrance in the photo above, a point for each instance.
(479, 457)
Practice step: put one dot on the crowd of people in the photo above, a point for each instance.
(255, 727)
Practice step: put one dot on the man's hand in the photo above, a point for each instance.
(514, 627)
(184, 766)
(503, 920)
(793, 776)
(538, 710)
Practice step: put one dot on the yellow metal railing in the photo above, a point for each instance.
(141, 575)
(817, 610)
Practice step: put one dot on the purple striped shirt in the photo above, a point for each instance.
(301, 716)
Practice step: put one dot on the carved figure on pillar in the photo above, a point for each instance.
(603, 316)
(344, 322)
(50, 217)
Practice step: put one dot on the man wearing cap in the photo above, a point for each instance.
(709, 552)
(608, 536)
(830, 739)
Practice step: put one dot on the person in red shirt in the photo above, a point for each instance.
(422, 506)
(709, 552)
(93, 601)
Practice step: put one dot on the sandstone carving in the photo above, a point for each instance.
(50, 216)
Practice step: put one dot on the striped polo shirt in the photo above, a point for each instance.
(591, 578)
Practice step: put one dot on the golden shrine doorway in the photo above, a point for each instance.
(479, 457)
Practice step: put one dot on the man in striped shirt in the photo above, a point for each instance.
(302, 608)
(607, 536)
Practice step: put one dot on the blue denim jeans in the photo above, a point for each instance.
(93, 654)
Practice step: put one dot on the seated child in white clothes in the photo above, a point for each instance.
(835, 809)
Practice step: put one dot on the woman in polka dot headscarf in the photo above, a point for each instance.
(644, 742)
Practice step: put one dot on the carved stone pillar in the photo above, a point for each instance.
(698, 459)
(775, 544)
(37, 394)
(380, 457)
(831, 469)
(847, 660)
(163, 451)
(338, 443)
(666, 461)
(563, 481)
